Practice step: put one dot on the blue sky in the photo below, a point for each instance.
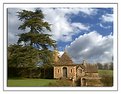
(85, 33)
(94, 21)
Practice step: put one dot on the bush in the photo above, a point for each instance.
(24, 72)
(107, 80)
(78, 82)
(61, 82)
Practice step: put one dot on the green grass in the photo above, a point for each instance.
(105, 72)
(19, 82)
(106, 77)
(30, 82)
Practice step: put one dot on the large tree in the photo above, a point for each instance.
(34, 21)
(25, 56)
(33, 46)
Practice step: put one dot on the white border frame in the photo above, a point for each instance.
(45, 5)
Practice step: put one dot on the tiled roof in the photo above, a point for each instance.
(91, 68)
(80, 65)
(65, 59)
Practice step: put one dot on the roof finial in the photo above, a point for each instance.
(84, 63)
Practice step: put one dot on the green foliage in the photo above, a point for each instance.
(100, 65)
(105, 66)
(62, 82)
(107, 80)
(22, 56)
(43, 40)
(106, 77)
(33, 20)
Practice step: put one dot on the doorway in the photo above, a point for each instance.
(64, 72)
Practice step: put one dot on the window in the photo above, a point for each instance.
(58, 71)
(80, 71)
(71, 70)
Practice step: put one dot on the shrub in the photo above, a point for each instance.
(107, 80)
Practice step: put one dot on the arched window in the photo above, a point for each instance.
(58, 70)
(80, 70)
(71, 70)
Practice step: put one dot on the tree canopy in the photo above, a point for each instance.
(27, 55)
(34, 21)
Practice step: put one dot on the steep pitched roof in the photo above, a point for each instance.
(80, 65)
(65, 59)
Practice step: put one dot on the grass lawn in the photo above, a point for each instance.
(30, 82)
(47, 82)
(105, 72)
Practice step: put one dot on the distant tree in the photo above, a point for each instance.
(111, 66)
(100, 66)
(106, 66)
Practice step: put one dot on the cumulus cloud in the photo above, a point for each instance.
(13, 25)
(80, 26)
(92, 47)
(103, 26)
(107, 18)
(89, 11)
(62, 29)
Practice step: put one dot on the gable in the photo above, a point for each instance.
(80, 68)
(65, 59)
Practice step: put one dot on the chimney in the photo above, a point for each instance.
(84, 63)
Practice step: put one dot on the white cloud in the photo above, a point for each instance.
(60, 53)
(89, 11)
(13, 24)
(92, 47)
(107, 18)
(106, 27)
(60, 26)
(80, 26)
(62, 29)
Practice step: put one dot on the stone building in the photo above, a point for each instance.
(65, 68)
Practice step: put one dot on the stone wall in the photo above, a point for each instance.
(71, 72)
(92, 74)
(58, 72)
(80, 72)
